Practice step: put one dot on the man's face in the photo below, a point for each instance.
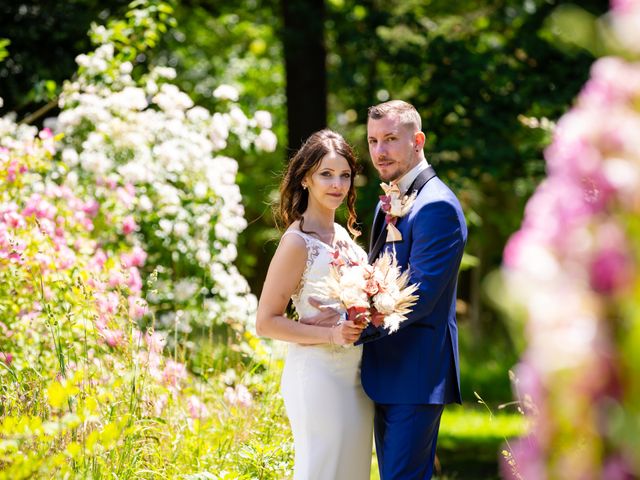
(392, 147)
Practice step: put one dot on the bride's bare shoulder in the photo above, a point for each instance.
(293, 239)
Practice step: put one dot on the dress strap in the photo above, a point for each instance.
(303, 235)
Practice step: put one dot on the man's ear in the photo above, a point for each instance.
(419, 139)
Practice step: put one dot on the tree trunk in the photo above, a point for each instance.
(306, 72)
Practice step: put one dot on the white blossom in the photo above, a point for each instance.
(262, 119)
(226, 92)
(266, 141)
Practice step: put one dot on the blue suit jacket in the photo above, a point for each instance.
(418, 364)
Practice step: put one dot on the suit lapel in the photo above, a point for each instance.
(378, 225)
(375, 246)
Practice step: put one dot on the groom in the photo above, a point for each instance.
(412, 373)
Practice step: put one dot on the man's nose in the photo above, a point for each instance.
(378, 149)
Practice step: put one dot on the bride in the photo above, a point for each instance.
(331, 417)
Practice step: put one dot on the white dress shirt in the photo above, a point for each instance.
(407, 179)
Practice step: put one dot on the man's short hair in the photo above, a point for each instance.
(406, 112)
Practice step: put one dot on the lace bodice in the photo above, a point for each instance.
(319, 256)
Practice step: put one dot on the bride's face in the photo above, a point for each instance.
(329, 183)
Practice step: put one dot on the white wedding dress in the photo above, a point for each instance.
(330, 415)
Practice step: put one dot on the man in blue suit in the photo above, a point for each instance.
(412, 373)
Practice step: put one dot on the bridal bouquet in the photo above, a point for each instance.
(379, 293)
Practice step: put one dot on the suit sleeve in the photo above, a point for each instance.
(434, 259)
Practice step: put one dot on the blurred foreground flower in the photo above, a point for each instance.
(572, 270)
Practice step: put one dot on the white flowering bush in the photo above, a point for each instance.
(140, 146)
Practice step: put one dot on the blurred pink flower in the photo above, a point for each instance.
(5, 357)
(117, 278)
(126, 196)
(99, 258)
(138, 307)
(108, 302)
(196, 408)
(14, 168)
(160, 404)
(134, 281)
(39, 207)
(174, 373)
(155, 342)
(91, 207)
(609, 270)
(135, 258)
(113, 338)
(66, 258)
(129, 225)
(14, 219)
(238, 396)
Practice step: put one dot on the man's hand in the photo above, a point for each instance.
(326, 316)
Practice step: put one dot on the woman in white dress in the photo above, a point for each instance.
(330, 415)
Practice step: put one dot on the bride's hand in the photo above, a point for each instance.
(346, 333)
(326, 317)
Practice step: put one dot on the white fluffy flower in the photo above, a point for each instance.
(226, 92)
(266, 141)
(384, 303)
(354, 297)
(70, 157)
(185, 289)
(238, 120)
(262, 119)
(165, 72)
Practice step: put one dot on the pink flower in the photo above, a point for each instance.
(108, 303)
(116, 278)
(155, 342)
(45, 133)
(39, 207)
(5, 357)
(126, 196)
(135, 258)
(113, 338)
(196, 408)
(138, 307)
(99, 259)
(174, 373)
(66, 258)
(134, 280)
(91, 207)
(238, 396)
(609, 270)
(160, 404)
(129, 225)
(14, 219)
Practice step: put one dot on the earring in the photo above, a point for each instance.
(304, 186)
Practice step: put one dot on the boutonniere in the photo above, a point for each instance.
(395, 205)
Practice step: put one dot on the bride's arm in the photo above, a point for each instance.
(283, 277)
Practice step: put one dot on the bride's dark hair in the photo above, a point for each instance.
(293, 198)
